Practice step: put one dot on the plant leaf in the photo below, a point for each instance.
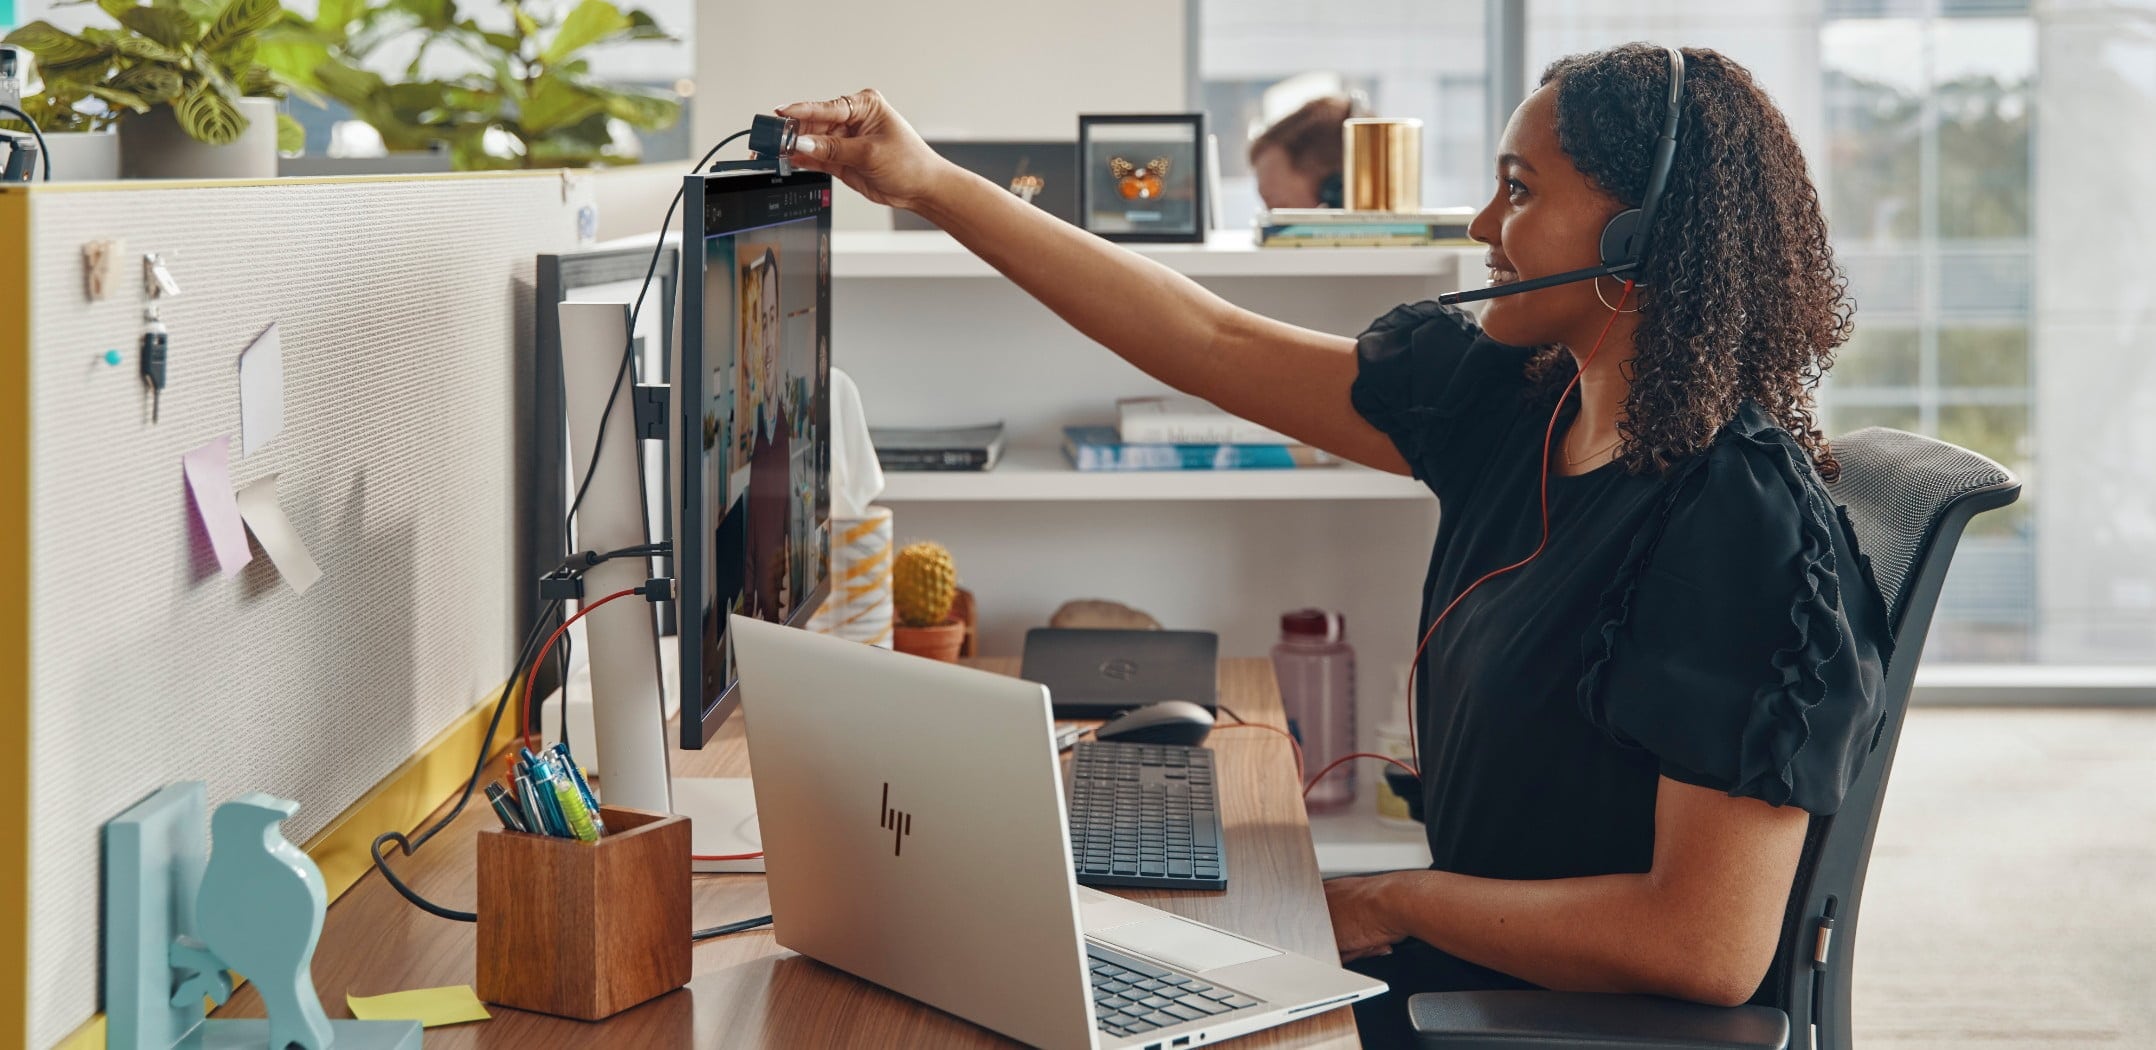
(149, 50)
(115, 7)
(209, 116)
(170, 27)
(525, 25)
(291, 138)
(432, 14)
(555, 104)
(240, 20)
(54, 46)
(336, 16)
(588, 23)
(295, 59)
(153, 84)
(124, 99)
(640, 110)
(346, 84)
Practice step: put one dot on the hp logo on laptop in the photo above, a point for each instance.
(897, 823)
(1119, 668)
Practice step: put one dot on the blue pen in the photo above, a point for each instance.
(528, 801)
(583, 786)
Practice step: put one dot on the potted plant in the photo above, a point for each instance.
(80, 143)
(529, 99)
(924, 584)
(179, 77)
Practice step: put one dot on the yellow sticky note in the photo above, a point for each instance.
(431, 1007)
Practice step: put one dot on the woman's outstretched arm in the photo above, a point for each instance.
(1291, 379)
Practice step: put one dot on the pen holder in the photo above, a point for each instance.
(585, 929)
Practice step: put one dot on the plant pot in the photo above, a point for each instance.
(940, 642)
(154, 146)
(82, 156)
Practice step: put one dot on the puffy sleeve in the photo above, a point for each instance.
(1743, 642)
(1429, 378)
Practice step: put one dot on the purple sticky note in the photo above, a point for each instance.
(209, 479)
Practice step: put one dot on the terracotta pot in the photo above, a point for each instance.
(940, 642)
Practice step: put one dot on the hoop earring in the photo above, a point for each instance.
(1604, 300)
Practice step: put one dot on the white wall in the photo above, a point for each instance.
(955, 68)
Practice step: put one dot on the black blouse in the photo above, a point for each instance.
(1713, 624)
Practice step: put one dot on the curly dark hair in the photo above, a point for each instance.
(1740, 297)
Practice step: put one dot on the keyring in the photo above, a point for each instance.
(848, 100)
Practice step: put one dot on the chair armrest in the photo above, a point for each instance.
(1584, 1021)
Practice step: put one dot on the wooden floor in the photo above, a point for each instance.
(2012, 899)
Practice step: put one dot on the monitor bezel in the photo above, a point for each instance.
(700, 720)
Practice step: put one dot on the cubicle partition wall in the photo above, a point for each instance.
(131, 659)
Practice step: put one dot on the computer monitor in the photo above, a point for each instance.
(755, 419)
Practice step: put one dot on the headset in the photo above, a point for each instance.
(1629, 234)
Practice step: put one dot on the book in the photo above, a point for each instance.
(938, 448)
(1338, 228)
(1099, 448)
(1178, 420)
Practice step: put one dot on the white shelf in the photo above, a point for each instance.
(1355, 840)
(1042, 474)
(1228, 253)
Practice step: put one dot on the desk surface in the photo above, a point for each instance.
(750, 992)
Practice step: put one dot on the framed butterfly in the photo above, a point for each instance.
(1136, 183)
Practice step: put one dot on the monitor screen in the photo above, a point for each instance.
(755, 419)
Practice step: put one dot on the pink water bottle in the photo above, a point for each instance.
(1316, 670)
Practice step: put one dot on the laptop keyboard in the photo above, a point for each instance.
(1145, 815)
(1131, 997)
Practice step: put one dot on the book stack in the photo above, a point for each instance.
(1184, 433)
(1339, 228)
(938, 448)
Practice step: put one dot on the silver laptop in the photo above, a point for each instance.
(914, 835)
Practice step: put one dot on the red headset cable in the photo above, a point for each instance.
(524, 730)
(1548, 433)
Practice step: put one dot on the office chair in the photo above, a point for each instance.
(1908, 499)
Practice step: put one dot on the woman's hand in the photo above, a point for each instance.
(1361, 927)
(860, 140)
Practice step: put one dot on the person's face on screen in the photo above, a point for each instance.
(1543, 217)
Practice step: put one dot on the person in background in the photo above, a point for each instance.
(1299, 160)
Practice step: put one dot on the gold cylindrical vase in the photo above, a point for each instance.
(1383, 161)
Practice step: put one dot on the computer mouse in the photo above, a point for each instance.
(1167, 722)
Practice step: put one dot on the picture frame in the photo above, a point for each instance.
(586, 274)
(1043, 172)
(1142, 177)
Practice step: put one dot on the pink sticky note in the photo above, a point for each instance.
(209, 479)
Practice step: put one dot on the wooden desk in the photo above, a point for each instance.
(750, 992)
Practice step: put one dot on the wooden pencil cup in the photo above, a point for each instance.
(585, 930)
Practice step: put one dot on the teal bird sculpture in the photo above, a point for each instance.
(259, 913)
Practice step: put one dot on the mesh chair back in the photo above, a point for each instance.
(1908, 499)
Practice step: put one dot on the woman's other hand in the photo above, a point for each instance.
(1360, 926)
(860, 140)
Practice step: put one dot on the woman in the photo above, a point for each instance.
(1621, 743)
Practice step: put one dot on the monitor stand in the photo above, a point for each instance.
(627, 677)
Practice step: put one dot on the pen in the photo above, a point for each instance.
(583, 786)
(504, 808)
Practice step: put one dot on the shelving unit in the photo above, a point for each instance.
(1227, 253)
(1043, 474)
(934, 337)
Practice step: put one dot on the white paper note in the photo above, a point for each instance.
(265, 518)
(261, 392)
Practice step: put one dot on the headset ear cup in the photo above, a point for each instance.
(1331, 193)
(1619, 238)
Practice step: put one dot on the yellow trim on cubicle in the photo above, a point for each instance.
(15, 614)
(404, 798)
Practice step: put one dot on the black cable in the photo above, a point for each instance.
(1230, 712)
(45, 154)
(628, 357)
(486, 750)
(732, 927)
